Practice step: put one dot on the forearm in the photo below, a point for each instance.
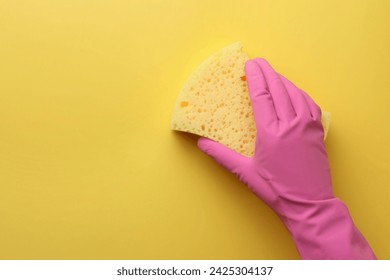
(324, 230)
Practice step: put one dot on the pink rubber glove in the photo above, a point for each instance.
(290, 171)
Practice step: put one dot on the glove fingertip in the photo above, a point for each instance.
(205, 144)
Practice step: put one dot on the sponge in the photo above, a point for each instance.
(215, 103)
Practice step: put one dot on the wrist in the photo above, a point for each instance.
(323, 229)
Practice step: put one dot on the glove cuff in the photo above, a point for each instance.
(323, 230)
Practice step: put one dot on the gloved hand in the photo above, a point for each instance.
(289, 170)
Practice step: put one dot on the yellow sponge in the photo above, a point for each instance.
(215, 103)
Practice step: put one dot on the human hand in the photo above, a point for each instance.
(290, 160)
(289, 170)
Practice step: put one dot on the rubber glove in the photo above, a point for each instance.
(289, 170)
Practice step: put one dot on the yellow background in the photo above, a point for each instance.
(89, 168)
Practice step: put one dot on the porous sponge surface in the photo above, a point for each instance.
(215, 102)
